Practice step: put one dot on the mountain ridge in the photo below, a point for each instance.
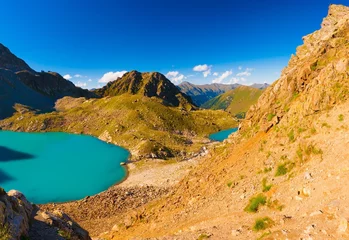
(236, 101)
(149, 84)
(200, 94)
(38, 90)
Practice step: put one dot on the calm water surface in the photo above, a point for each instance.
(58, 167)
(221, 135)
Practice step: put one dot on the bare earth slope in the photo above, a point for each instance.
(288, 181)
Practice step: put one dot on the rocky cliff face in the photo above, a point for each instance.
(315, 79)
(15, 212)
(148, 84)
(19, 84)
(52, 84)
(20, 220)
(10, 62)
(13, 91)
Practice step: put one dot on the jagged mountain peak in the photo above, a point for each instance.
(11, 62)
(149, 84)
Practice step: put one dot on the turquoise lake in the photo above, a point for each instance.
(221, 135)
(58, 167)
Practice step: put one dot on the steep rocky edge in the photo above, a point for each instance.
(236, 101)
(284, 175)
(147, 84)
(22, 85)
(315, 79)
(52, 84)
(20, 220)
(13, 91)
(12, 63)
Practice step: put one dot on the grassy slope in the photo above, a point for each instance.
(141, 124)
(235, 101)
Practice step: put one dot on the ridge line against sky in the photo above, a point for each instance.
(221, 41)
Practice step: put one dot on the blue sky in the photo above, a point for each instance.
(189, 40)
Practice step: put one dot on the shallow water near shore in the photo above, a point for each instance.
(222, 135)
(58, 167)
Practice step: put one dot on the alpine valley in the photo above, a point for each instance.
(282, 175)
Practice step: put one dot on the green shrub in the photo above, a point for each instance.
(300, 130)
(203, 236)
(311, 149)
(265, 186)
(262, 224)
(255, 202)
(314, 66)
(270, 116)
(229, 184)
(290, 135)
(63, 234)
(341, 117)
(283, 169)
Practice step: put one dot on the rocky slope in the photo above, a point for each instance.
(22, 85)
(285, 174)
(315, 79)
(236, 101)
(14, 91)
(52, 84)
(20, 220)
(147, 84)
(12, 63)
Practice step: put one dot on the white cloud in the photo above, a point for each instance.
(111, 76)
(90, 80)
(221, 78)
(215, 74)
(245, 73)
(201, 68)
(67, 76)
(205, 69)
(81, 84)
(178, 79)
(175, 76)
(172, 74)
(78, 76)
(206, 73)
(240, 67)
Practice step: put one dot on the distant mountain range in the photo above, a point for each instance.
(236, 101)
(20, 84)
(200, 94)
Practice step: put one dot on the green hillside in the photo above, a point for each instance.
(236, 101)
(143, 125)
